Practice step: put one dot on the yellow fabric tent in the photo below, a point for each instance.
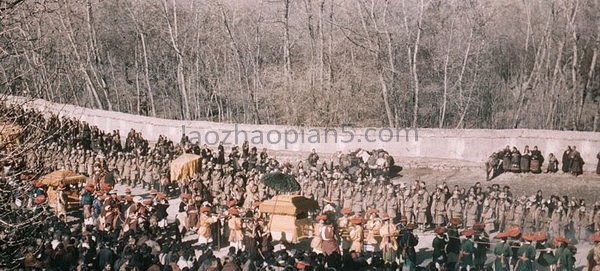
(186, 165)
(288, 216)
(67, 176)
(288, 205)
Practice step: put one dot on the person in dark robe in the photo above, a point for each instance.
(329, 243)
(525, 160)
(537, 160)
(493, 166)
(515, 160)
(598, 166)
(552, 164)
(439, 243)
(566, 160)
(576, 167)
(506, 158)
(408, 241)
(453, 247)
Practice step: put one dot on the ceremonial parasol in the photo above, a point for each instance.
(281, 182)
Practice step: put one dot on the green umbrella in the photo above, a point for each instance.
(280, 182)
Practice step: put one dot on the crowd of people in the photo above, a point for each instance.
(512, 160)
(367, 222)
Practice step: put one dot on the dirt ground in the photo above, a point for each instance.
(586, 186)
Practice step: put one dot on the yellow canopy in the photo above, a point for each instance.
(186, 165)
(67, 176)
(288, 205)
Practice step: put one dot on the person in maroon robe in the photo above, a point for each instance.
(329, 244)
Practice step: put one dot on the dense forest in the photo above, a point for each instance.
(419, 63)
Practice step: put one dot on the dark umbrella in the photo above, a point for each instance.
(281, 182)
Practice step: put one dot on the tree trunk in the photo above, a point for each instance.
(147, 76)
(415, 121)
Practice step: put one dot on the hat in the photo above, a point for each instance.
(455, 221)
(300, 265)
(373, 211)
(403, 219)
(468, 232)
(204, 209)
(595, 237)
(89, 187)
(185, 196)
(440, 230)
(346, 211)
(161, 195)
(147, 202)
(529, 237)
(561, 239)
(501, 235)
(153, 192)
(541, 236)
(233, 211)
(479, 226)
(231, 203)
(356, 220)
(321, 218)
(385, 216)
(513, 231)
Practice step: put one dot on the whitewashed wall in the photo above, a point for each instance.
(469, 145)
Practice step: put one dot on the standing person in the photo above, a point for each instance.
(593, 257)
(329, 243)
(564, 256)
(546, 257)
(467, 250)
(598, 166)
(537, 160)
(388, 245)
(61, 202)
(576, 162)
(408, 241)
(566, 160)
(439, 256)
(235, 228)
(453, 247)
(525, 160)
(503, 253)
(526, 254)
(204, 226)
(356, 235)
(552, 164)
(317, 241)
(482, 245)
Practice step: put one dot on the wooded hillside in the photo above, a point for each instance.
(420, 63)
